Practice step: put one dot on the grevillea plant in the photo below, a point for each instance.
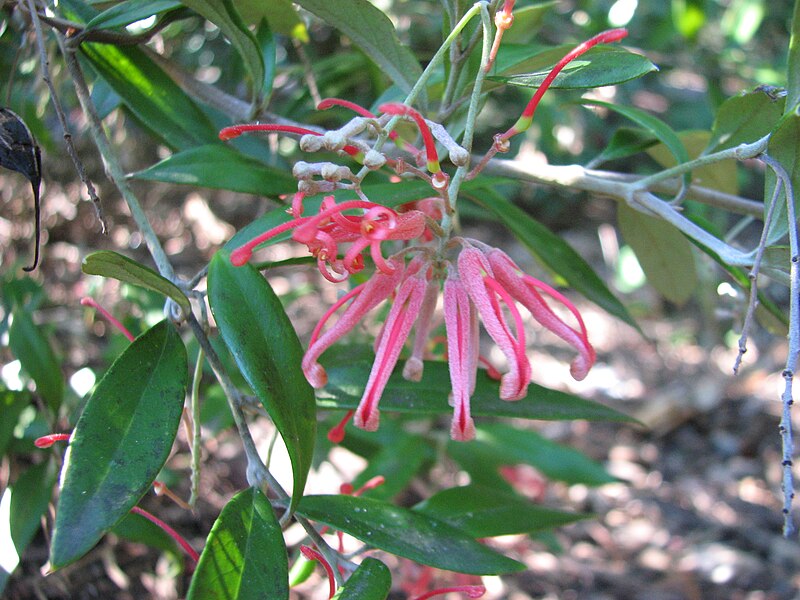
(374, 197)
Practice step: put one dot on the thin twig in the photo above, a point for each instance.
(111, 162)
(197, 446)
(753, 275)
(785, 426)
(308, 71)
(62, 118)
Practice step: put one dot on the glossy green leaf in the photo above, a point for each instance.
(121, 441)
(263, 342)
(348, 376)
(487, 512)
(220, 167)
(11, 405)
(156, 101)
(372, 580)
(744, 119)
(32, 348)
(223, 14)
(661, 130)
(784, 146)
(406, 533)
(280, 14)
(301, 570)
(602, 65)
(793, 62)
(552, 459)
(663, 252)
(107, 263)
(245, 555)
(555, 253)
(130, 11)
(372, 31)
(21, 508)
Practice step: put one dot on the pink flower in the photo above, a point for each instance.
(323, 232)
(405, 309)
(485, 292)
(461, 324)
(365, 297)
(525, 289)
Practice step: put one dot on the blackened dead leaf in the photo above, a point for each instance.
(19, 152)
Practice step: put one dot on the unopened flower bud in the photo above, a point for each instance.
(374, 160)
(311, 143)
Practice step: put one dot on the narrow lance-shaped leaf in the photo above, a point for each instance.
(598, 67)
(348, 372)
(744, 119)
(660, 129)
(245, 555)
(793, 62)
(487, 512)
(406, 533)
(264, 344)
(121, 441)
(112, 264)
(220, 167)
(130, 11)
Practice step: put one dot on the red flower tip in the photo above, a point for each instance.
(336, 434)
(240, 256)
(401, 110)
(312, 554)
(48, 440)
(108, 316)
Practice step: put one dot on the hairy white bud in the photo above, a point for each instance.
(374, 160)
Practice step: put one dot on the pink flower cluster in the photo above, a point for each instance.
(477, 283)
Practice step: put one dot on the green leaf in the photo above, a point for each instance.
(487, 512)
(106, 263)
(406, 533)
(793, 62)
(280, 14)
(348, 375)
(744, 119)
(224, 15)
(21, 508)
(11, 405)
(653, 124)
(555, 253)
(663, 252)
(130, 11)
(552, 459)
(244, 556)
(261, 339)
(372, 580)
(372, 31)
(602, 65)
(220, 167)
(626, 142)
(31, 346)
(151, 96)
(121, 441)
(784, 146)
